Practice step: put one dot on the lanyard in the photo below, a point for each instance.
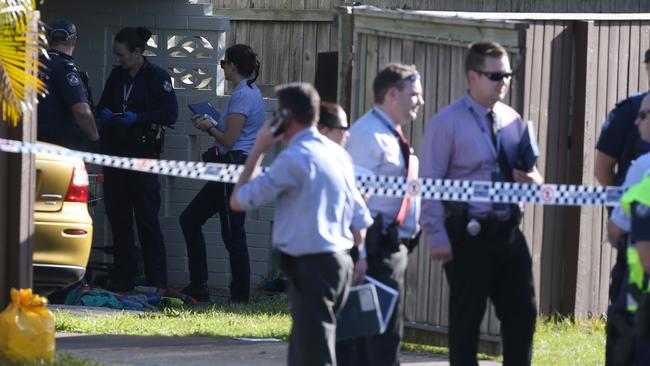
(126, 93)
(486, 136)
(385, 121)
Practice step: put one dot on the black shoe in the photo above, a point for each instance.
(200, 292)
(238, 300)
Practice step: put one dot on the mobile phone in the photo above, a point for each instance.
(280, 122)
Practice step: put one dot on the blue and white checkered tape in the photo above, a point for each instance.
(388, 186)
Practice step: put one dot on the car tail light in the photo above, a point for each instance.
(78, 188)
(75, 232)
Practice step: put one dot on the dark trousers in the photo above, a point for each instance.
(215, 198)
(128, 194)
(380, 349)
(617, 307)
(497, 266)
(318, 288)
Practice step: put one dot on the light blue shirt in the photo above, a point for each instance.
(249, 102)
(373, 145)
(634, 175)
(317, 201)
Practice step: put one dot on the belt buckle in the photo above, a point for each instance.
(473, 227)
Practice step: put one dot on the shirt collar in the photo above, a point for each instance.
(476, 106)
(60, 54)
(303, 135)
(241, 84)
(386, 118)
(145, 65)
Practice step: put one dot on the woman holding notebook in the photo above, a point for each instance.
(234, 134)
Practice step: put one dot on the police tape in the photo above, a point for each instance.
(387, 186)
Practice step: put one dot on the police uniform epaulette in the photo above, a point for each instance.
(632, 98)
(150, 71)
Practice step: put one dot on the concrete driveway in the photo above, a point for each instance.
(194, 351)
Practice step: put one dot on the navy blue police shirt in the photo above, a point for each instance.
(56, 122)
(150, 95)
(620, 137)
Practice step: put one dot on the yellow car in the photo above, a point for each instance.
(63, 227)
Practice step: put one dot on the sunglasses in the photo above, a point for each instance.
(643, 114)
(223, 62)
(495, 76)
(413, 77)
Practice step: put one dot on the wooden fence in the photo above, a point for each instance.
(569, 73)
(287, 35)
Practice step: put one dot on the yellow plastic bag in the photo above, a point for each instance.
(27, 328)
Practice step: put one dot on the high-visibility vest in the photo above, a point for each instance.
(638, 193)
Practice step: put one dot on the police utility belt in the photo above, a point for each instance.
(460, 225)
(384, 240)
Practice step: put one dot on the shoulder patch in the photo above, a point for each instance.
(641, 211)
(73, 79)
(167, 86)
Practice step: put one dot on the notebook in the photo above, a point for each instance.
(205, 108)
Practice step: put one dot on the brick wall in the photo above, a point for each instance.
(189, 41)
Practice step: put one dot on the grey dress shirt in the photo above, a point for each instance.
(455, 146)
(373, 145)
(317, 202)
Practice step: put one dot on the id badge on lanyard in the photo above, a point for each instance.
(126, 93)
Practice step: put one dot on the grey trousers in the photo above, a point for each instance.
(319, 286)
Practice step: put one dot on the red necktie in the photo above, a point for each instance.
(406, 153)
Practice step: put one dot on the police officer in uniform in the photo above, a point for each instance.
(137, 103)
(618, 146)
(636, 203)
(620, 351)
(65, 114)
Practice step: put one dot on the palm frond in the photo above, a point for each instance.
(19, 65)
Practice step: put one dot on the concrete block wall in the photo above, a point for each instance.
(189, 42)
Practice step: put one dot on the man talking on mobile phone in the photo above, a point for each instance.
(319, 216)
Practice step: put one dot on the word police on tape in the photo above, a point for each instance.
(388, 186)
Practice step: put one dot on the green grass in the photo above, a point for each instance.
(558, 341)
(61, 359)
(564, 341)
(268, 318)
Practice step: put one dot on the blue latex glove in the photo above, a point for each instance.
(128, 118)
(105, 115)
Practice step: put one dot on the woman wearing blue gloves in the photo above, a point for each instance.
(138, 100)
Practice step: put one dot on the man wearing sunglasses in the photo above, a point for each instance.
(628, 344)
(377, 144)
(618, 146)
(485, 254)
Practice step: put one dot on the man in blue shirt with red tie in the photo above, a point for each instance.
(377, 144)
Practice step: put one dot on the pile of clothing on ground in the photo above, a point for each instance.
(141, 298)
